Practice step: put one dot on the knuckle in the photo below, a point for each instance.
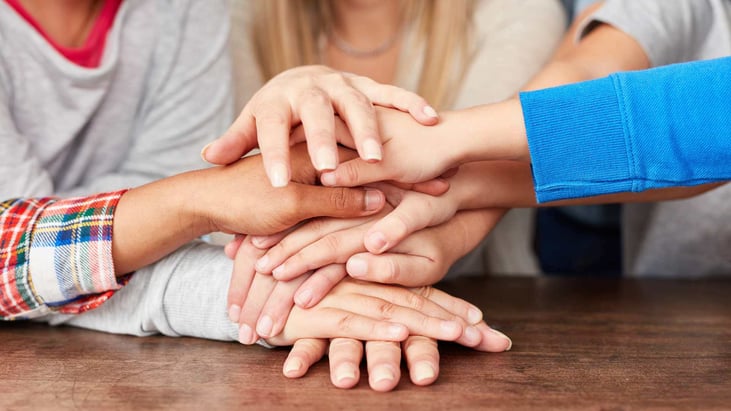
(355, 97)
(345, 323)
(340, 198)
(314, 96)
(387, 310)
(332, 243)
(391, 272)
(351, 172)
(416, 301)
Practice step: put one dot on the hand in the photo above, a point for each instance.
(311, 95)
(413, 153)
(383, 358)
(353, 309)
(422, 259)
(325, 241)
(238, 199)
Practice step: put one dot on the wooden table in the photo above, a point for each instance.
(579, 344)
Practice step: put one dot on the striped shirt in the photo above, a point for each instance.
(56, 255)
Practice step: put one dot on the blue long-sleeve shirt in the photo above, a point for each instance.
(631, 131)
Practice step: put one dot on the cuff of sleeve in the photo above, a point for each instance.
(70, 254)
(577, 140)
(17, 217)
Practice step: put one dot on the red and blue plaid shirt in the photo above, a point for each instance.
(56, 255)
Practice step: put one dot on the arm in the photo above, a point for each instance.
(173, 298)
(103, 235)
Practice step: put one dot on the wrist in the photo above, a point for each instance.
(491, 132)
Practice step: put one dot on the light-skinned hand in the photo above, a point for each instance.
(312, 96)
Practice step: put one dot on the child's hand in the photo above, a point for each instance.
(413, 153)
(312, 95)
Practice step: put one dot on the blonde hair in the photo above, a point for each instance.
(286, 34)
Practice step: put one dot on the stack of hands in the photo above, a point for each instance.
(328, 283)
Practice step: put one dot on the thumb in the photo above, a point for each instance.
(356, 172)
(238, 140)
(339, 202)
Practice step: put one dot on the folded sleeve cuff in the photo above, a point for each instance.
(70, 256)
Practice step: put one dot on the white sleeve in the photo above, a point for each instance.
(183, 294)
(21, 172)
(669, 31)
(189, 102)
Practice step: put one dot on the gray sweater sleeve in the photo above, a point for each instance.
(669, 31)
(188, 101)
(182, 295)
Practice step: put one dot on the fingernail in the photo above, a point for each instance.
(325, 159)
(292, 365)
(328, 179)
(245, 334)
(451, 328)
(472, 335)
(258, 241)
(372, 200)
(383, 374)
(262, 264)
(396, 331)
(376, 242)
(372, 150)
(264, 326)
(303, 298)
(424, 371)
(203, 152)
(278, 175)
(474, 315)
(430, 112)
(357, 266)
(345, 372)
(279, 271)
(233, 313)
(498, 333)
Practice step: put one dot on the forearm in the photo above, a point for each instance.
(509, 184)
(631, 132)
(154, 220)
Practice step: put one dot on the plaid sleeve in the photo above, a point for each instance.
(56, 255)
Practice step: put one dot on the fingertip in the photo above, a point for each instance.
(376, 242)
(328, 179)
(424, 114)
(383, 378)
(423, 373)
(374, 200)
(293, 368)
(430, 112)
(345, 376)
(279, 175)
(203, 152)
(357, 266)
(325, 159)
(234, 312)
(397, 332)
(303, 298)
(371, 151)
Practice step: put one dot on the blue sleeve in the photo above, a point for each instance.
(632, 131)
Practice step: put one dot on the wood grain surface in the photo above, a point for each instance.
(578, 344)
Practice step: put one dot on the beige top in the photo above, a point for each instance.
(514, 39)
